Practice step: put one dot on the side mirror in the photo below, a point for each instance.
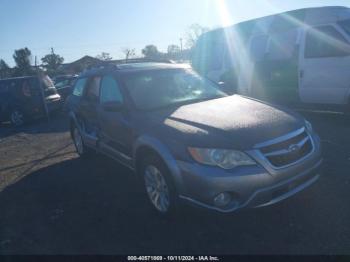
(112, 106)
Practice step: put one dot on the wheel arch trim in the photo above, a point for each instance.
(163, 152)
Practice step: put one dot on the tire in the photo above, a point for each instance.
(82, 150)
(17, 117)
(346, 111)
(158, 186)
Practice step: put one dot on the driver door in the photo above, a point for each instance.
(116, 134)
(87, 111)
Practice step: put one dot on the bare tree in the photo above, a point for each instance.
(128, 52)
(104, 56)
(193, 33)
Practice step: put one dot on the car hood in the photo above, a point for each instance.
(229, 122)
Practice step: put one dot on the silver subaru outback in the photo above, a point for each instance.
(187, 140)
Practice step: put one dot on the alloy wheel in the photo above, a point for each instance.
(157, 188)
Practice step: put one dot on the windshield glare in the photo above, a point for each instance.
(163, 88)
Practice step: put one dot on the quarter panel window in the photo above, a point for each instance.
(110, 91)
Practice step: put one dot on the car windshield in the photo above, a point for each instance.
(62, 83)
(345, 25)
(163, 88)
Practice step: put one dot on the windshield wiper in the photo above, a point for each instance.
(180, 103)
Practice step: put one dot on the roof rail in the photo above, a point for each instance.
(101, 66)
(144, 60)
(113, 64)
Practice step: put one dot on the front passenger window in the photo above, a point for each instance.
(110, 91)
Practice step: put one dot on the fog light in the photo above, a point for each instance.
(222, 199)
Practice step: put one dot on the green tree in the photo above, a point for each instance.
(22, 59)
(104, 56)
(151, 51)
(5, 70)
(51, 63)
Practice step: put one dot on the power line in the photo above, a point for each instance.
(119, 44)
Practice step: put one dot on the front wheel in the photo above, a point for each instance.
(159, 186)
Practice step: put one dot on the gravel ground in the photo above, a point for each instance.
(52, 202)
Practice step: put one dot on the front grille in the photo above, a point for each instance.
(288, 151)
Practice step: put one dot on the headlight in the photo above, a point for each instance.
(308, 126)
(226, 159)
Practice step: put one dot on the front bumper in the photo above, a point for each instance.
(252, 186)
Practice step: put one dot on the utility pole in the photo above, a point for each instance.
(181, 48)
(39, 75)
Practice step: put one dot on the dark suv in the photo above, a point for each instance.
(26, 98)
(187, 140)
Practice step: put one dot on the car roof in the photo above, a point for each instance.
(18, 78)
(132, 67)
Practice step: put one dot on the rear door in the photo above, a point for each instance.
(116, 133)
(325, 66)
(87, 110)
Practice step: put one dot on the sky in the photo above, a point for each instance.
(75, 28)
